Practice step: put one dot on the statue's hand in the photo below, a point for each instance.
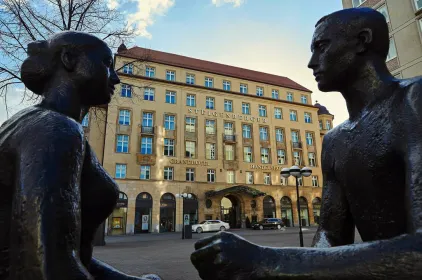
(228, 256)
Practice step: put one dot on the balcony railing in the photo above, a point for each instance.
(229, 138)
(147, 129)
(297, 145)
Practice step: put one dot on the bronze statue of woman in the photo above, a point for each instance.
(372, 168)
(54, 192)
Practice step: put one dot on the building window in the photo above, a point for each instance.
(275, 94)
(265, 155)
(229, 152)
(228, 105)
(295, 136)
(300, 181)
(120, 171)
(311, 158)
(210, 151)
(293, 115)
(228, 128)
(308, 118)
(146, 146)
(124, 117)
(304, 99)
(278, 113)
(190, 100)
(168, 173)
(279, 135)
(357, 3)
(297, 159)
(128, 68)
(145, 172)
(190, 149)
(211, 175)
(209, 103)
(262, 110)
(210, 127)
(122, 144)
(150, 72)
(309, 138)
(230, 177)
(327, 125)
(170, 75)
(249, 177)
(283, 181)
(392, 53)
(190, 79)
(259, 91)
(384, 12)
(267, 178)
(247, 154)
(147, 119)
(85, 120)
(168, 147)
(246, 131)
(246, 108)
(226, 85)
(209, 82)
(290, 96)
(315, 181)
(149, 94)
(169, 122)
(190, 124)
(171, 97)
(190, 174)
(243, 88)
(126, 91)
(263, 133)
(320, 124)
(281, 156)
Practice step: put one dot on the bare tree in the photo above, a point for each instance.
(23, 21)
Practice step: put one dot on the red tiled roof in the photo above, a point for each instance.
(210, 67)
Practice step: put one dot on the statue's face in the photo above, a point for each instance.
(96, 68)
(333, 57)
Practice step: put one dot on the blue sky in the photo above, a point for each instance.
(271, 36)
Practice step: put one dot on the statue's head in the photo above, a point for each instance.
(343, 42)
(80, 60)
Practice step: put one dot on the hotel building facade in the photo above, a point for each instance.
(220, 133)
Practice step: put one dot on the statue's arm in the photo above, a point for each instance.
(102, 271)
(336, 225)
(45, 229)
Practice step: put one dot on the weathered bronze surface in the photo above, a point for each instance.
(372, 167)
(54, 192)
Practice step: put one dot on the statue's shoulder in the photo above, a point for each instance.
(412, 89)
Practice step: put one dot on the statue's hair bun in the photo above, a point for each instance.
(36, 69)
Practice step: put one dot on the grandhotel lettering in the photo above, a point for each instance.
(265, 167)
(228, 115)
(189, 162)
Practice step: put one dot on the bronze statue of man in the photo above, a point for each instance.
(372, 167)
(54, 192)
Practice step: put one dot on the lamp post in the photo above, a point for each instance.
(183, 196)
(296, 172)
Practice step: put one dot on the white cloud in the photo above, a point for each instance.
(16, 101)
(146, 12)
(236, 3)
(112, 4)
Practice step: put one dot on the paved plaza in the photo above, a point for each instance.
(169, 256)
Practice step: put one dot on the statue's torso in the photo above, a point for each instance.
(98, 190)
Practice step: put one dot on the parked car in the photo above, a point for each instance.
(269, 223)
(210, 225)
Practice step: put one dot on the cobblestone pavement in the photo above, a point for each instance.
(167, 255)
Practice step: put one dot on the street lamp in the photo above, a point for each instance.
(296, 172)
(183, 196)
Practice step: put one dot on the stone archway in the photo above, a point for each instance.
(231, 210)
(167, 213)
(269, 207)
(287, 211)
(143, 213)
(316, 206)
(304, 211)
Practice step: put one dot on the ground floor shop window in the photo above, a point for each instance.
(118, 219)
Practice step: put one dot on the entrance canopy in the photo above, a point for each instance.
(236, 190)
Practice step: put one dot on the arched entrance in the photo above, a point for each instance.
(190, 207)
(269, 207)
(286, 211)
(143, 213)
(304, 214)
(117, 219)
(231, 211)
(316, 205)
(167, 213)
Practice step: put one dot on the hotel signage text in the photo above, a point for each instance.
(228, 115)
(189, 162)
(265, 167)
